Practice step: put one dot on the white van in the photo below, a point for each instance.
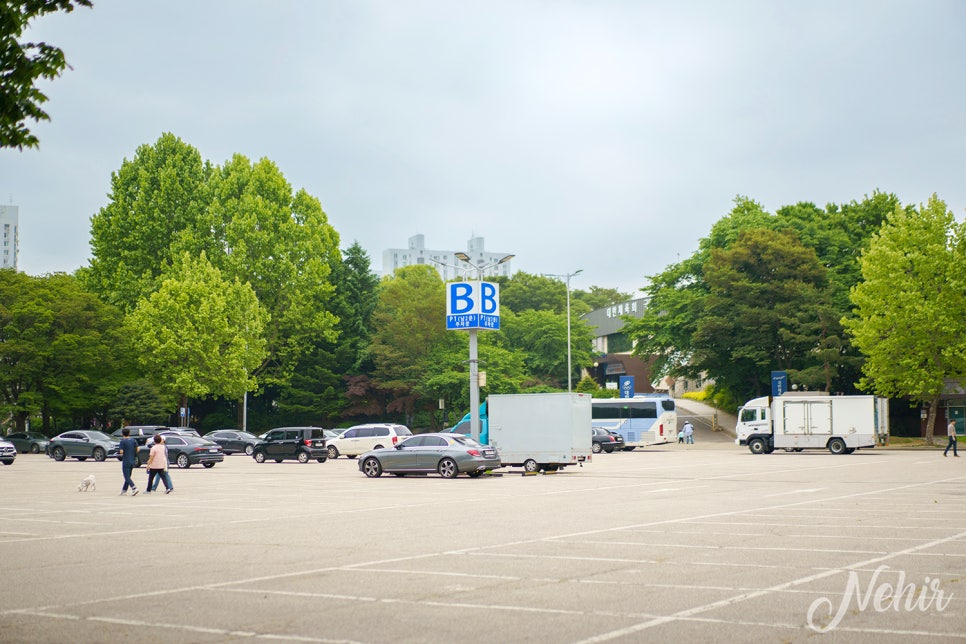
(362, 438)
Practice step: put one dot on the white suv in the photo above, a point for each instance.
(362, 438)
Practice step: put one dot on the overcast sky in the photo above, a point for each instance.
(607, 136)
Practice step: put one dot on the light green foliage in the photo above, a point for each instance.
(247, 221)
(283, 245)
(157, 209)
(586, 385)
(910, 311)
(22, 64)
(199, 334)
(541, 338)
(524, 291)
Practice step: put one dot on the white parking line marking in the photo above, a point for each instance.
(809, 491)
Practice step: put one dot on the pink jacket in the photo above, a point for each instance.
(158, 458)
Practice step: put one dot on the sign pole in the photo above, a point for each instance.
(474, 388)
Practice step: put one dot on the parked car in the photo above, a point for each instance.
(447, 454)
(140, 433)
(184, 451)
(605, 441)
(301, 443)
(27, 442)
(82, 444)
(8, 452)
(360, 439)
(234, 440)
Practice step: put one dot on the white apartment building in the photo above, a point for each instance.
(10, 239)
(446, 263)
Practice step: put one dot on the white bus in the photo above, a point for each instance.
(645, 419)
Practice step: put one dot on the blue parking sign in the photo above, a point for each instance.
(472, 305)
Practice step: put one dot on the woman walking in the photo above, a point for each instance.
(158, 466)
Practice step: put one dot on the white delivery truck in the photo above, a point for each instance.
(536, 431)
(796, 421)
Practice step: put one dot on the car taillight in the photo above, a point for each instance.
(473, 452)
(662, 429)
(395, 439)
(307, 441)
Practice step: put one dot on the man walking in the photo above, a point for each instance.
(951, 432)
(128, 449)
(688, 432)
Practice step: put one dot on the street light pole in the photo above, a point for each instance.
(567, 277)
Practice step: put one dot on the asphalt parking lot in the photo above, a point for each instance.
(675, 543)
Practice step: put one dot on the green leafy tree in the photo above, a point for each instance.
(523, 291)
(408, 324)
(199, 334)
(60, 348)
(158, 209)
(598, 297)
(22, 64)
(910, 314)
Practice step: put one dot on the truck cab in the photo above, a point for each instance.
(754, 425)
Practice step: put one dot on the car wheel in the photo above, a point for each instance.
(447, 468)
(183, 461)
(259, 457)
(137, 461)
(595, 448)
(608, 450)
(35, 449)
(208, 465)
(474, 475)
(321, 460)
(8, 462)
(303, 457)
(530, 465)
(333, 451)
(372, 468)
(59, 454)
(757, 446)
(836, 446)
(99, 454)
(249, 449)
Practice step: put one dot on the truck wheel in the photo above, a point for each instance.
(757, 446)
(530, 465)
(768, 448)
(837, 446)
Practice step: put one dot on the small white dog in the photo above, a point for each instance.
(87, 485)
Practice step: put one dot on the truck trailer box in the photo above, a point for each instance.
(540, 431)
(794, 422)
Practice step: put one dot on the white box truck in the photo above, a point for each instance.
(798, 421)
(536, 431)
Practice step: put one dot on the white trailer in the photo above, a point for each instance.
(540, 431)
(798, 421)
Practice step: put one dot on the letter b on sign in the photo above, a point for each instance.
(461, 298)
(489, 299)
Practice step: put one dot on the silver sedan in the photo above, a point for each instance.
(447, 454)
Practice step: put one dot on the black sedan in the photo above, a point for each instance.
(185, 451)
(234, 440)
(82, 444)
(605, 441)
(28, 442)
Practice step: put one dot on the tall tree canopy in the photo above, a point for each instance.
(61, 349)
(247, 221)
(22, 64)
(910, 311)
(199, 334)
(686, 318)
